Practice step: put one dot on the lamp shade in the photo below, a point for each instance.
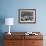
(9, 21)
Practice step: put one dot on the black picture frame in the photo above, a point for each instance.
(27, 16)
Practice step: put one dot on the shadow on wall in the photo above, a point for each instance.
(2, 21)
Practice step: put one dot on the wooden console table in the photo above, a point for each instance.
(20, 39)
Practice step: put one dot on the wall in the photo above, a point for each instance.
(9, 8)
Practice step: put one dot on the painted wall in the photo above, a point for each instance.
(9, 8)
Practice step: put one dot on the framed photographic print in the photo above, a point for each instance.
(27, 15)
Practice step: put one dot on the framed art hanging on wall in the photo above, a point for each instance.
(27, 15)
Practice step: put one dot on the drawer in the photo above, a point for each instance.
(13, 43)
(33, 37)
(33, 43)
(16, 37)
(9, 43)
(37, 43)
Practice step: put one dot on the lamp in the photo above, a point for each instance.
(9, 21)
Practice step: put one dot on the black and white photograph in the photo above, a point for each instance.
(27, 15)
